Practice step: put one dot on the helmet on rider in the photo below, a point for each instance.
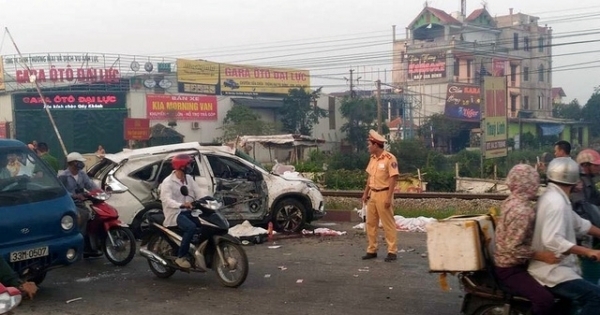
(588, 156)
(563, 170)
(182, 162)
(76, 159)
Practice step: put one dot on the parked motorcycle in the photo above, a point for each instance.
(106, 231)
(211, 248)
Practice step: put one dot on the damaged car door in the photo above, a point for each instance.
(241, 188)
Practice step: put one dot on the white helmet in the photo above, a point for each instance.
(563, 170)
(75, 156)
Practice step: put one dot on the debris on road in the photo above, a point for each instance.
(323, 232)
(73, 300)
(282, 268)
(274, 246)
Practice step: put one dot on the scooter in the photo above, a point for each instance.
(211, 248)
(106, 231)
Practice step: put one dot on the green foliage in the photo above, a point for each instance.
(353, 161)
(443, 181)
(299, 112)
(360, 113)
(568, 111)
(242, 120)
(314, 163)
(445, 129)
(345, 179)
(591, 113)
(469, 163)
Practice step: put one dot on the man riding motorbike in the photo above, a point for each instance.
(74, 178)
(176, 206)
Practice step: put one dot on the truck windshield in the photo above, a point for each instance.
(24, 178)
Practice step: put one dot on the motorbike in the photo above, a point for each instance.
(211, 248)
(106, 231)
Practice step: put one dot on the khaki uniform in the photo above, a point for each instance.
(380, 169)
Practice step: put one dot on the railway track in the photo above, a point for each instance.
(425, 195)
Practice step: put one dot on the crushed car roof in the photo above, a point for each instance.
(165, 149)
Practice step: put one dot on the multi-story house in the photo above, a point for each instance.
(442, 58)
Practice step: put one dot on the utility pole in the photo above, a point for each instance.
(379, 123)
(351, 84)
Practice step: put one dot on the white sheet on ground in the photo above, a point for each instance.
(246, 229)
(406, 224)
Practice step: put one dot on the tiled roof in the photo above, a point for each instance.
(558, 92)
(445, 17)
(475, 14)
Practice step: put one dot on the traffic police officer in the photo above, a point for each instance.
(379, 193)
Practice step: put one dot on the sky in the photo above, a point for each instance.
(328, 37)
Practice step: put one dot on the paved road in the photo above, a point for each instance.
(334, 280)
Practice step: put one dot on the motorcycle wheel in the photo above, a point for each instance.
(124, 251)
(158, 245)
(498, 309)
(233, 272)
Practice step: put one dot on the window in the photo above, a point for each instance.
(541, 73)
(457, 67)
(525, 102)
(516, 41)
(540, 102)
(227, 168)
(526, 43)
(331, 113)
(513, 73)
(100, 170)
(167, 169)
(513, 103)
(147, 173)
(525, 73)
(541, 44)
(25, 178)
(469, 63)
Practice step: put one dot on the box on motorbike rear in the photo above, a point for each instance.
(460, 243)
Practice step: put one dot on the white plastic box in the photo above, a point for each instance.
(455, 243)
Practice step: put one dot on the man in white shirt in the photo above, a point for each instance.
(176, 206)
(556, 230)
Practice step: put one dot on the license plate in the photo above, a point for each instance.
(28, 254)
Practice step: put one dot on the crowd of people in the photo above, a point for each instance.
(550, 250)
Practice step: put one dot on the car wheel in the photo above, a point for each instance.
(289, 216)
(138, 224)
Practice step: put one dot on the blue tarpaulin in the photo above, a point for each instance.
(551, 129)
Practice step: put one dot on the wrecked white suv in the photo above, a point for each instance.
(248, 191)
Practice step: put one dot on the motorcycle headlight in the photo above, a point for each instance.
(8, 302)
(67, 222)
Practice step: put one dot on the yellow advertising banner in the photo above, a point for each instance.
(2, 84)
(495, 127)
(261, 81)
(197, 76)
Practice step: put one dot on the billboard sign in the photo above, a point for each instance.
(261, 81)
(494, 124)
(463, 102)
(70, 100)
(205, 77)
(426, 66)
(137, 129)
(197, 77)
(181, 107)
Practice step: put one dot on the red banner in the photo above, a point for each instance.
(3, 130)
(181, 107)
(137, 129)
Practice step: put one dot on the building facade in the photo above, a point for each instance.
(90, 96)
(445, 53)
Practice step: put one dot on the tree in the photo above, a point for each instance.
(444, 129)
(300, 112)
(591, 112)
(568, 111)
(242, 120)
(361, 114)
